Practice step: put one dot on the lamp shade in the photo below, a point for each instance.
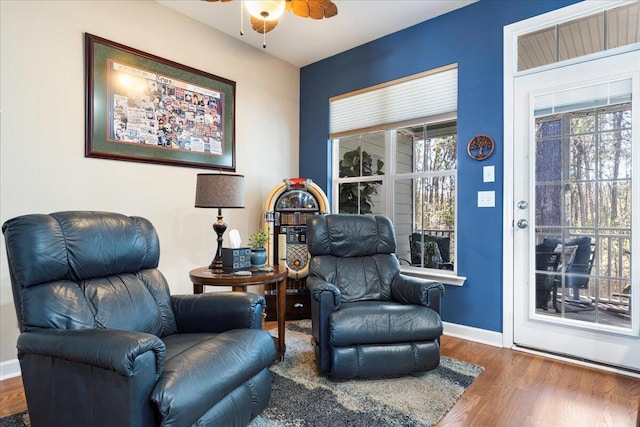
(219, 191)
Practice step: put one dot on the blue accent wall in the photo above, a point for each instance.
(472, 37)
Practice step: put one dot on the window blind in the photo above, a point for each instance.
(428, 94)
(574, 99)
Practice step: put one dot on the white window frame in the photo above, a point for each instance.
(388, 199)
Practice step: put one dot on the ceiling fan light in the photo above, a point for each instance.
(267, 10)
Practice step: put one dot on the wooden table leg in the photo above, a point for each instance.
(281, 308)
(198, 289)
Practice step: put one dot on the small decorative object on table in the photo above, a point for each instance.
(258, 243)
(236, 259)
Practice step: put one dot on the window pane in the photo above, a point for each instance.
(582, 123)
(423, 213)
(583, 191)
(403, 214)
(360, 197)
(435, 149)
(613, 118)
(581, 37)
(580, 204)
(615, 203)
(537, 49)
(424, 206)
(404, 152)
(423, 199)
(615, 155)
(548, 160)
(350, 157)
(362, 155)
(582, 164)
(548, 204)
(623, 25)
(548, 127)
(373, 154)
(435, 203)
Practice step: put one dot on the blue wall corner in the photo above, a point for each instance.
(472, 37)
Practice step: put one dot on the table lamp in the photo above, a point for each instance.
(219, 191)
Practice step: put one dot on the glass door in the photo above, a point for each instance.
(576, 133)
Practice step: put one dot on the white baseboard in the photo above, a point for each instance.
(9, 369)
(579, 362)
(495, 339)
(469, 333)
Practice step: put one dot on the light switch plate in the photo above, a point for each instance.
(486, 199)
(489, 174)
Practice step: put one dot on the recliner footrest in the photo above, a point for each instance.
(383, 322)
(232, 357)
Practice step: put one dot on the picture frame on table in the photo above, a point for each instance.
(143, 108)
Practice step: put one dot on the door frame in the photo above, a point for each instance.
(511, 33)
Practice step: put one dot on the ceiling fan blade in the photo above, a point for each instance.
(314, 9)
(298, 7)
(261, 26)
(329, 7)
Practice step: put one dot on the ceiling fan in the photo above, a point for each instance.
(265, 13)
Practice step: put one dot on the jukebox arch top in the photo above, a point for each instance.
(287, 208)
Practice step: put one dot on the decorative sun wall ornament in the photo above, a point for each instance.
(480, 147)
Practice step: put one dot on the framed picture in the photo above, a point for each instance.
(143, 108)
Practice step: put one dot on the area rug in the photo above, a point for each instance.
(302, 398)
(15, 420)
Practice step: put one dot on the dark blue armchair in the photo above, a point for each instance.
(103, 343)
(368, 320)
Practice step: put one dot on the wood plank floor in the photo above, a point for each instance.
(515, 389)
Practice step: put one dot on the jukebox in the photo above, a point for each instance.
(287, 208)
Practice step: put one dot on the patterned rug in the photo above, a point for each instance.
(302, 398)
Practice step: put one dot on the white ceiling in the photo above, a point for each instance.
(302, 41)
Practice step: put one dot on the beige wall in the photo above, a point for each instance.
(42, 163)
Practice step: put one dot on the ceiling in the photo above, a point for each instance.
(302, 41)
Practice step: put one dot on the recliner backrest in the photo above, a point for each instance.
(354, 252)
(81, 269)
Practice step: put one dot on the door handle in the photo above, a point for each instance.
(522, 223)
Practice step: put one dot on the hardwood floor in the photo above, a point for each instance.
(12, 398)
(515, 389)
(520, 389)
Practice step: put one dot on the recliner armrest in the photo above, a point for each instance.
(111, 349)
(317, 286)
(215, 312)
(414, 290)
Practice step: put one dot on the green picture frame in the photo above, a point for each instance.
(143, 108)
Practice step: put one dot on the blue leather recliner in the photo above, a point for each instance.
(368, 320)
(103, 343)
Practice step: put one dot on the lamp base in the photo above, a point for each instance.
(216, 266)
(219, 227)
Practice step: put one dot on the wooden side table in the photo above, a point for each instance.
(202, 276)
